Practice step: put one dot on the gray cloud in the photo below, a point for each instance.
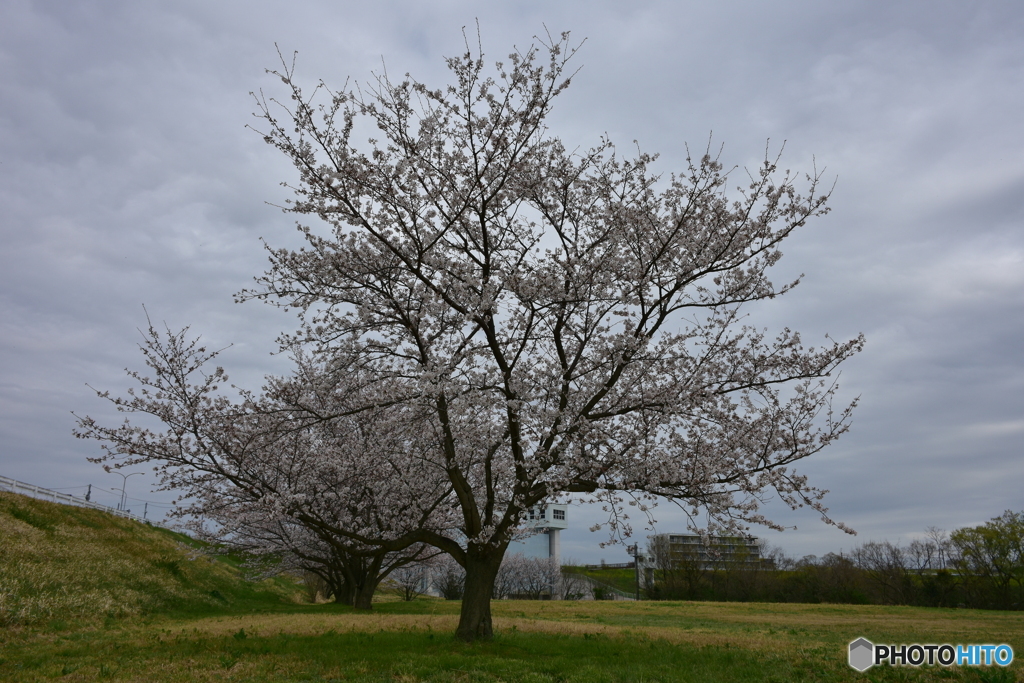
(127, 177)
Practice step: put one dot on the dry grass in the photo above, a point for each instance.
(837, 619)
(751, 626)
(61, 568)
(72, 564)
(538, 641)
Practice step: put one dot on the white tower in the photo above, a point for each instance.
(547, 521)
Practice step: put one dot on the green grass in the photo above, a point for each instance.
(379, 656)
(622, 579)
(65, 564)
(536, 641)
(170, 628)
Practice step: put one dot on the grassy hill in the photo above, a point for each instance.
(61, 564)
(616, 577)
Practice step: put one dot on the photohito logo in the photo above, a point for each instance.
(864, 654)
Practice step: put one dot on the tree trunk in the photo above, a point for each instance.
(481, 569)
(365, 576)
(364, 594)
(345, 594)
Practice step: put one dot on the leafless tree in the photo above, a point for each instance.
(939, 539)
(411, 581)
(575, 586)
(449, 578)
(885, 565)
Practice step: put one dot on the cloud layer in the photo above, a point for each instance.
(127, 177)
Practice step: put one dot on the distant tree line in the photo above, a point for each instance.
(979, 567)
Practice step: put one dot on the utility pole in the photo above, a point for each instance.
(636, 564)
(634, 550)
(88, 493)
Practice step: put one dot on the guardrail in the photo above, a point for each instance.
(605, 565)
(15, 486)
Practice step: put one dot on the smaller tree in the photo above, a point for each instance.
(990, 560)
(507, 581)
(939, 539)
(575, 586)
(449, 578)
(919, 555)
(775, 556)
(315, 585)
(679, 573)
(412, 580)
(529, 578)
(295, 476)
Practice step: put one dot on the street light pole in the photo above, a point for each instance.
(124, 484)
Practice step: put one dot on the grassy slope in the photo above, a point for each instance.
(60, 563)
(623, 579)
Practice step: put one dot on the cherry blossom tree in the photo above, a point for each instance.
(531, 578)
(260, 477)
(566, 322)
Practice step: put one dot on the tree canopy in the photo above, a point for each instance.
(554, 322)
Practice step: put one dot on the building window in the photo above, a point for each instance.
(559, 514)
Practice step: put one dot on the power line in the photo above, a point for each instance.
(117, 492)
(15, 486)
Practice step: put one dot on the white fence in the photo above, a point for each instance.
(15, 486)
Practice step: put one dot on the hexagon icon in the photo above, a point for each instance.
(862, 654)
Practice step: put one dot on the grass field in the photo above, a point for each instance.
(162, 622)
(537, 641)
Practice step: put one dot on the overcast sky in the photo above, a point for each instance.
(128, 178)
